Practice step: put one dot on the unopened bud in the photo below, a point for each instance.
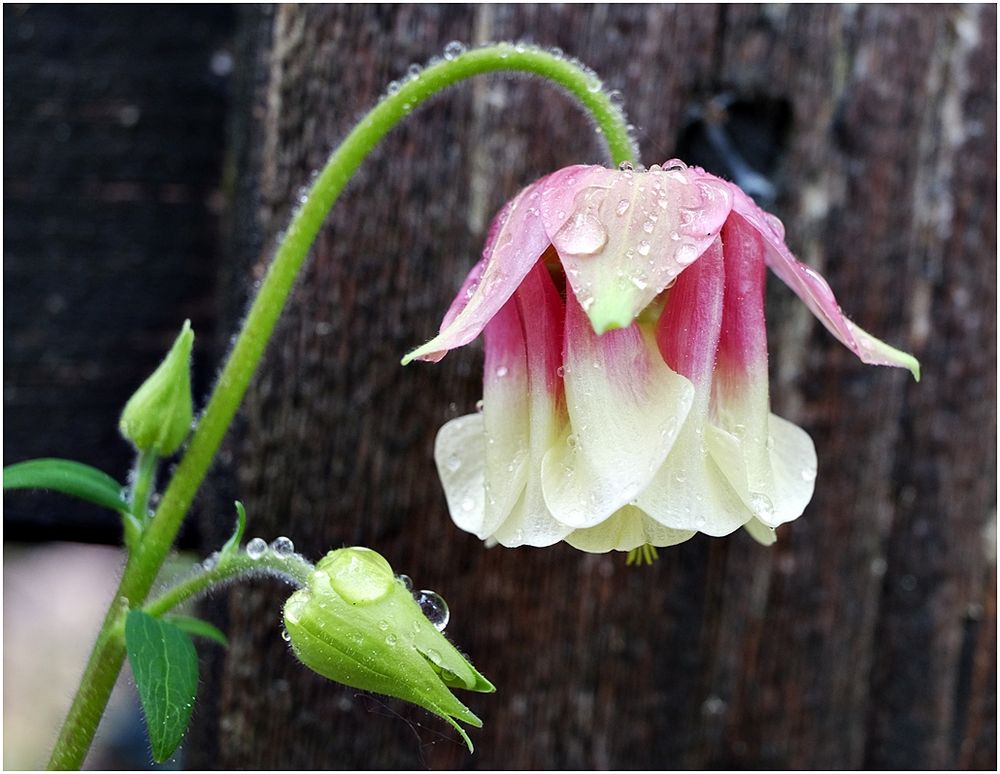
(157, 418)
(359, 625)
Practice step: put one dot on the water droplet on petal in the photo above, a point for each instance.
(468, 504)
(643, 248)
(622, 207)
(256, 548)
(453, 463)
(761, 505)
(583, 234)
(674, 164)
(406, 580)
(434, 608)
(686, 254)
(572, 440)
(454, 50)
(502, 371)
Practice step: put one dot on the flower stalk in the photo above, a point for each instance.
(148, 555)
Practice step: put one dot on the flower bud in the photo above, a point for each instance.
(157, 418)
(359, 625)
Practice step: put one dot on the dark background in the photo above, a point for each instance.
(152, 156)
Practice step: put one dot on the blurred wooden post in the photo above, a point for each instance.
(866, 636)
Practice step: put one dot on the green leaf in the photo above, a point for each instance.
(232, 545)
(69, 477)
(165, 666)
(196, 627)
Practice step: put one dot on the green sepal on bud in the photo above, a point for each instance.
(157, 418)
(359, 625)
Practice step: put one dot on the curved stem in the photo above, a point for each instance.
(293, 568)
(145, 561)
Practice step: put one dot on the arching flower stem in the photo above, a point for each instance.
(146, 559)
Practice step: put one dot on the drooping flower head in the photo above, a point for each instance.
(625, 390)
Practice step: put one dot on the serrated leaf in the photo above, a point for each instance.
(165, 666)
(68, 477)
(197, 627)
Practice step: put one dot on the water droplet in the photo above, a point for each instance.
(391, 640)
(256, 548)
(501, 372)
(285, 635)
(639, 283)
(468, 504)
(415, 627)
(433, 656)
(210, 562)
(643, 248)
(453, 463)
(680, 477)
(674, 164)
(622, 207)
(648, 226)
(616, 98)
(625, 166)
(406, 580)
(561, 371)
(808, 474)
(393, 87)
(413, 71)
(383, 625)
(434, 608)
(454, 50)
(761, 505)
(572, 440)
(594, 85)
(282, 546)
(583, 234)
(479, 406)
(686, 254)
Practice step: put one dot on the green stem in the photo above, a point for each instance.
(145, 473)
(145, 561)
(293, 568)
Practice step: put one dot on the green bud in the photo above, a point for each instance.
(359, 625)
(157, 418)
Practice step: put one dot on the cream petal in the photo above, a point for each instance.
(460, 454)
(528, 521)
(689, 492)
(626, 235)
(625, 407)
(814, 291)
(760, 532)
(506, 415)
(519, 242)
(777, 483)
(627, 528)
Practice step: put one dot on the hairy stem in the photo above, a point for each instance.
(145, 560)
(228, 567)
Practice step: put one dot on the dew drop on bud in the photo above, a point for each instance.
(453, 463)
(285, 635)
(434, 608)
(282, 547)
(391, 640)
(256, 548)
(583, 234)
(453, 50)
(761, 505)
(406, 581)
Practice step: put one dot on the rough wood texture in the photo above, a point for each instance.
(866, 636)
(113, 137)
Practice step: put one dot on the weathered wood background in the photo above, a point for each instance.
(867, 635)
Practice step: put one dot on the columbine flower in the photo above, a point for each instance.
(625, 393)
(357, 624)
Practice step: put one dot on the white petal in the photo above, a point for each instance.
(628, 528)
(460, 454)
(689, 492)
(625, 406)
(775, 481)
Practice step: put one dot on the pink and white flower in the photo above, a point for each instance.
(625, 391)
